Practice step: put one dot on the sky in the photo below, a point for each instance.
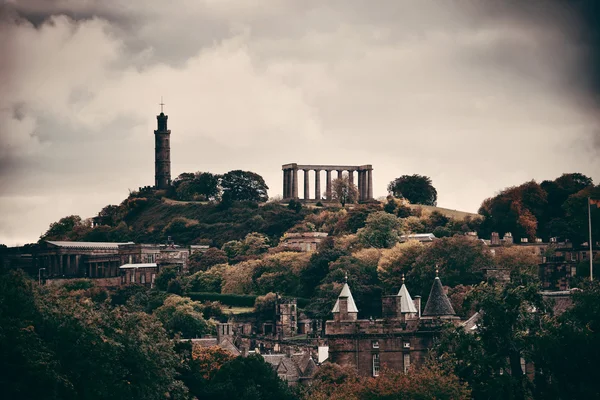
(478, 95)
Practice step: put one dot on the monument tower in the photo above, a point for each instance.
(162, 149)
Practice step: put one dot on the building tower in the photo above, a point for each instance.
(162, 148)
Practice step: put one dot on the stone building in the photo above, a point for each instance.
(306, 241)
(63, 259)
(399, 339)
(286, 318)
(141, 273)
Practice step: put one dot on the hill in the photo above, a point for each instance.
(427, 210)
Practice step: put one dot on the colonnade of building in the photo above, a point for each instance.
(290, 180)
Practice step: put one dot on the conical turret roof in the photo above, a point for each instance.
(438, 303)
(406, 302)
(345, 293)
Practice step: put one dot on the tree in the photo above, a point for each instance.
(67, 228)
(247, 378)
(382, 230)
(197, 186)
(344, 191)
(182, 316)
(243, 186)
(571, 339)
(74, 348)
(489, 357)
(264, 306)
(417, 189)
(199, 261)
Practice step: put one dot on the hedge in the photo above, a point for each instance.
(237, 300)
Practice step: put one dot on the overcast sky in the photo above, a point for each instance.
(477, 94)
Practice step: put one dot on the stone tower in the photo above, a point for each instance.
(162, 158)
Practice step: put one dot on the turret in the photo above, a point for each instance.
(345, 308)
(162, 153)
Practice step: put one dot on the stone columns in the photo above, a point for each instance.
(317, 184)
(361, 185)
(285, 183)
(351, 177)
(328, 188)
(295, 184)
(306, 185)
(68, 264)
(370, 184)
(340, 172)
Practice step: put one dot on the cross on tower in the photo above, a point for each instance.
(161, 104)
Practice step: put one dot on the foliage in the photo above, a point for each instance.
(246, 378)
(520, 261)
(208, 360)
(382, 230)
(489, 358)
(318, 268)
(182, 316)
(295, 205)
(236, 300)
(207, 281)
(73, 348)
(417, 189)
(197, 186)
(164, 277)
(243, 186)
(67, 228)
(264, 306)
(199, 261)
(432, 381)
(555, 208)
(344, 191)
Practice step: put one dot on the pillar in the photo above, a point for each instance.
(370, 184)
(285, 184)
(295, 184)
(290, 183)
(61, 268)
(360, 185)
(328, 185)
(340, 172)
(351, 177)
(68, 270)
(317, 184)
(306, 185)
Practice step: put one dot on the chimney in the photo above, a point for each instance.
(495, 239)
(508, 238)
(524, 240)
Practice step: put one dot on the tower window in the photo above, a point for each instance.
(376, 364)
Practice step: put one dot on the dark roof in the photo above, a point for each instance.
(438, 303)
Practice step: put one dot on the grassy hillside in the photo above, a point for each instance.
(426, 210)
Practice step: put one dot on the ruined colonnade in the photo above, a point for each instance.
(290, 180)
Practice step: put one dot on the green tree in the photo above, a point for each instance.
(382, 230)
(182, 316)
(199, 261)
(197, 186)
(344, 191)
(417, 189)
(243, 186)
(164, 277)
(247, 378)
(489, 357)
(571, 339)
(67, 228)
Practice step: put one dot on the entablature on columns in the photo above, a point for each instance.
(327, 167)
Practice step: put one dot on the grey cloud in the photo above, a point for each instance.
(478, 95)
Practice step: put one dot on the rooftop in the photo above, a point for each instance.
(351, 304)
(438, 303)
(86, 245)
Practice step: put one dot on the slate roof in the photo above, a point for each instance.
(438, 303)
(351, 304)
(86, 245)
(406, 302)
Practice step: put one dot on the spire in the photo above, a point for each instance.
(162, 118)
(407, 304)
(345, 293)
(438, 303)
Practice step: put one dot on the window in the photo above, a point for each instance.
(375, 344)
(406, 345)
(123, 278)
(143, 278)
(150, 258)
(376, 364)
(523, 365)
(132, 276)
(152, 278)
(406, 362)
